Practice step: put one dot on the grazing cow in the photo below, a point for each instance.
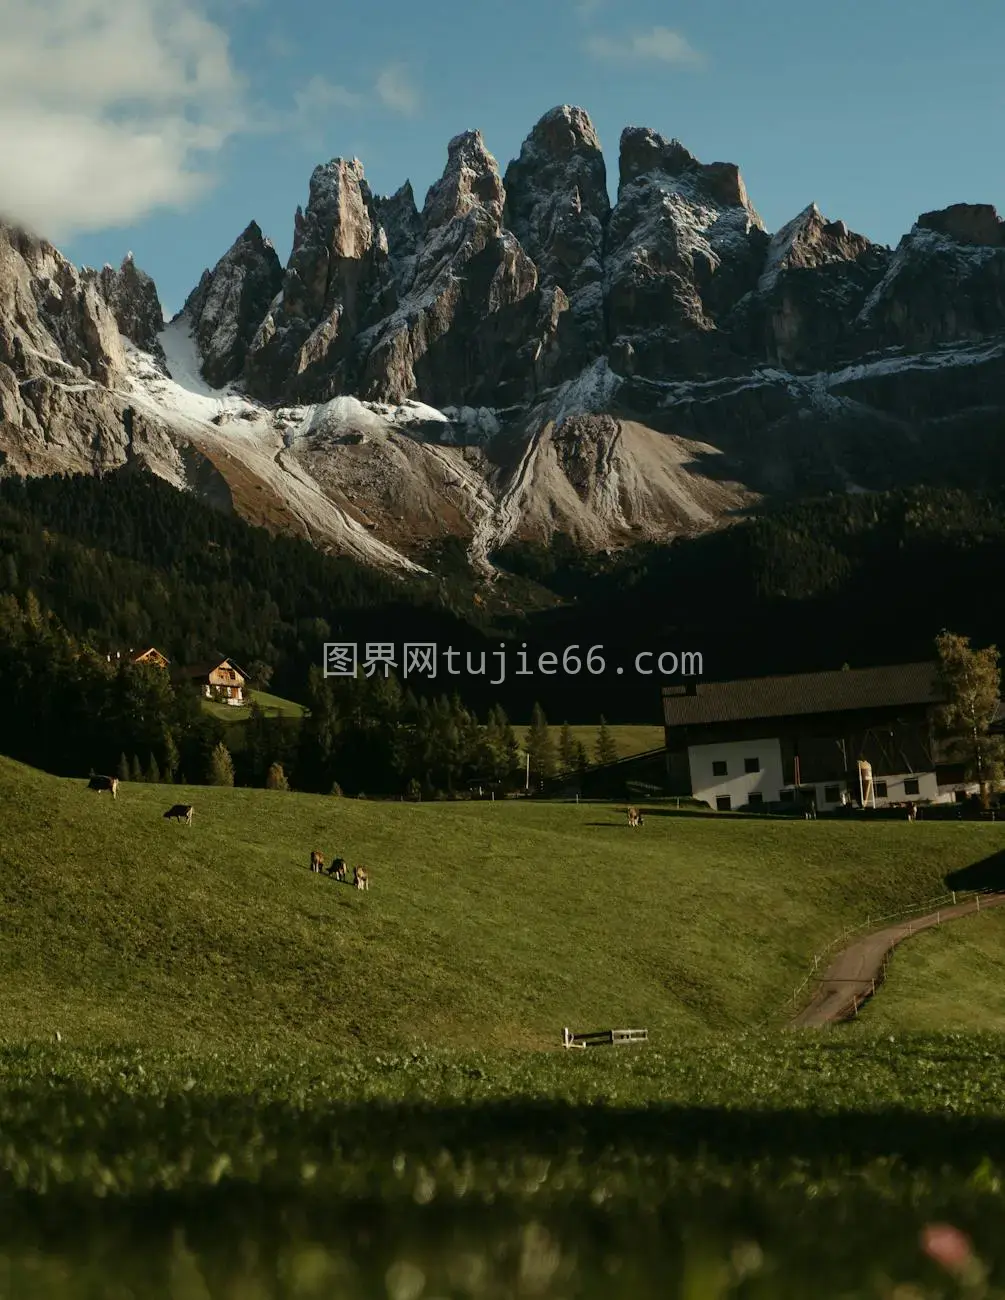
(360, 879)
(337, 869)
(634, 817)
(912, 812)
(181, 812)
(317, 861)
(103, 783)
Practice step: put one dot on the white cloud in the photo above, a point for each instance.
(587, 8)
(395, 90)
(659, 44)
(107, 108)
(319, 95)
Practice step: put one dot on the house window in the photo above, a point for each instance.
(719, 767)
(787, 796)
(723, 803)
(911, 787)
(880, 789)
(756, 799)
(832, 794)
(751, 765)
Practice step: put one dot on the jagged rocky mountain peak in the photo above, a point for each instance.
(646, 153)
(967, 223)
(466, 366)
(470, 179)
(132, 296)
(227, 306)
(644, 150)
(562, 132)
(810, 240)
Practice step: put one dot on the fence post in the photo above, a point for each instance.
(978, 902)
(854, 1002)
(938, 918)
(954, 897)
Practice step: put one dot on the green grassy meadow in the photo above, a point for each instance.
(948, 978)
(268, 1084)
(487, 924)
(274, 704)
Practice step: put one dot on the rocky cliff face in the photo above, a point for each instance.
(226, 309)
(518, 354)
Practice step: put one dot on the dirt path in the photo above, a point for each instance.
(853, 975)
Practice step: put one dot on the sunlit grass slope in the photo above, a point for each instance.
(949, 978)
(486, 924)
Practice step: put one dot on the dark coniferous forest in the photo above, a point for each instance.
(88, 565)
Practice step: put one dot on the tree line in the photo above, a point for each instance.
(71, 711)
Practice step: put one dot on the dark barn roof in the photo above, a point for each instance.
(840, 691)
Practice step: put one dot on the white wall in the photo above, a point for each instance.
(928, 788)
(736, 783)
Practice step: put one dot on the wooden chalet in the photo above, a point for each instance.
(149, 656)
(218, 679)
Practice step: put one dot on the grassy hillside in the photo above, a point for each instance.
(270, 704)
(487, 924)
(236, 719)
(947, 979)
(628, 739)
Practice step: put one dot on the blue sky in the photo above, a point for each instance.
(164, 126)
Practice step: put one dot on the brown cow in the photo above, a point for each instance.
(337, 869)
(317, 860)
(634, 817)
(360, 879)
(181, 812)
(103, 783)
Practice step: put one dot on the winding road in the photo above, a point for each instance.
(856, 971)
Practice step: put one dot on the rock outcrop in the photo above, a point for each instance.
(684, 245)
(944, 284)
(227, 307)
(132, 296)
(558, 207)
(338, 281)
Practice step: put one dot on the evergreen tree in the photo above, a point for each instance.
(135, 771)
(566, 750)
(153, 771)
(606, 749)
(171, 756)
(582, 758)
(221, 767)
(499, 753)
(276, 778)
(540, 746)
(122, 771)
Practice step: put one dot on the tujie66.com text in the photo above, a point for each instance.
(425, 659)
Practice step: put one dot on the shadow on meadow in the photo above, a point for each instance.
(534, 1198)
(987, 874)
